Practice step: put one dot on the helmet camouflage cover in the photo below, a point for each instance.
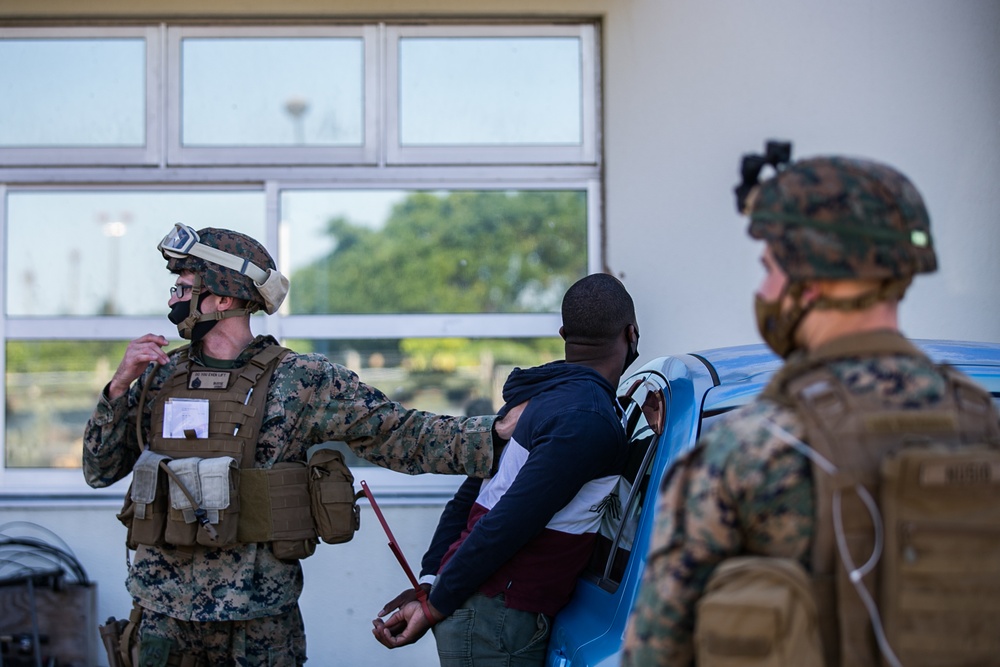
(843, 218)
(220, 280)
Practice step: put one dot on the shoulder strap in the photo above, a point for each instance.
(263, 362)
(258, 372)
(868, 344)
(976, 411)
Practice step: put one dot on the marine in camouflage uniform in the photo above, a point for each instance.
(239, 604)
(743, 489)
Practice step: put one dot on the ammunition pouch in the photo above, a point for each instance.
(144, 513)
(333, 500)
(291, 505)
(204, 502)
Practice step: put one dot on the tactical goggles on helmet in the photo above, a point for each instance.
(183, 241)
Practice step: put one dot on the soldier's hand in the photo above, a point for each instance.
(406, 625)
(506, 425)
(138, 355)
(409, 595)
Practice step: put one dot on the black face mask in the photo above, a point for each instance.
(179, 312)
(632, 354)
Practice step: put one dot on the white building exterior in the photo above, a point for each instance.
(688, 87)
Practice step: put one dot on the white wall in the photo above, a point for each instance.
(690, 85)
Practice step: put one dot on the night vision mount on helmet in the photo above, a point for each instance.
(837, 217)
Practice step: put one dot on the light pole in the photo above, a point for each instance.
(114, 230)
(296, 107)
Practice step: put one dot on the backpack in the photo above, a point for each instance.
(906, 553)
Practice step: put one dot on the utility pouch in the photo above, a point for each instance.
(275, 509)
(185, 497)
(757, 612)
(332, 497)
(220, 499)
(144, 512)
(940, 586)
(294, 549)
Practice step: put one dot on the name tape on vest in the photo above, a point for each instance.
(208, 380)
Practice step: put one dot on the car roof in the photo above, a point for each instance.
(740, 372)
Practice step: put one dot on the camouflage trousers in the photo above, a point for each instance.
(271, 641)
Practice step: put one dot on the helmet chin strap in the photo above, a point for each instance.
(889, 290)
(778, 327)
(186, 328)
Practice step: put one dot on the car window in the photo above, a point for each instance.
(645, 410)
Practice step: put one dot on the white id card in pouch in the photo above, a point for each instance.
(185, 418)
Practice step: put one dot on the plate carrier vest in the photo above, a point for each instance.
(206, 491)
(936, 476)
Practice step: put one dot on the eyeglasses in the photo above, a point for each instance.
(179, 290)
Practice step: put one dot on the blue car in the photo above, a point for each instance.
(668, 402)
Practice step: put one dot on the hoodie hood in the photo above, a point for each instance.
(524, 384)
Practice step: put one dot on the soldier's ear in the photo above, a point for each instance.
(225, 303)
(813, 290)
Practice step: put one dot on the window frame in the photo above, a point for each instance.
(163, 165)
(50, 481)
(586, 153)
(366, 154)
(148, 154)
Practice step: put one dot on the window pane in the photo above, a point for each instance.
(432, 252)
(52, 388)
(72, 92)
(94, 253)
(453, 376)
(272, 92)
(490, 91)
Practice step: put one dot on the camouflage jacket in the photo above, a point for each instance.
(310, 400)
(741, 490)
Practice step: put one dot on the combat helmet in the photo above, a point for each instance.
(837, 217)
(228, 263)
(224, 263)
(832, 218)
